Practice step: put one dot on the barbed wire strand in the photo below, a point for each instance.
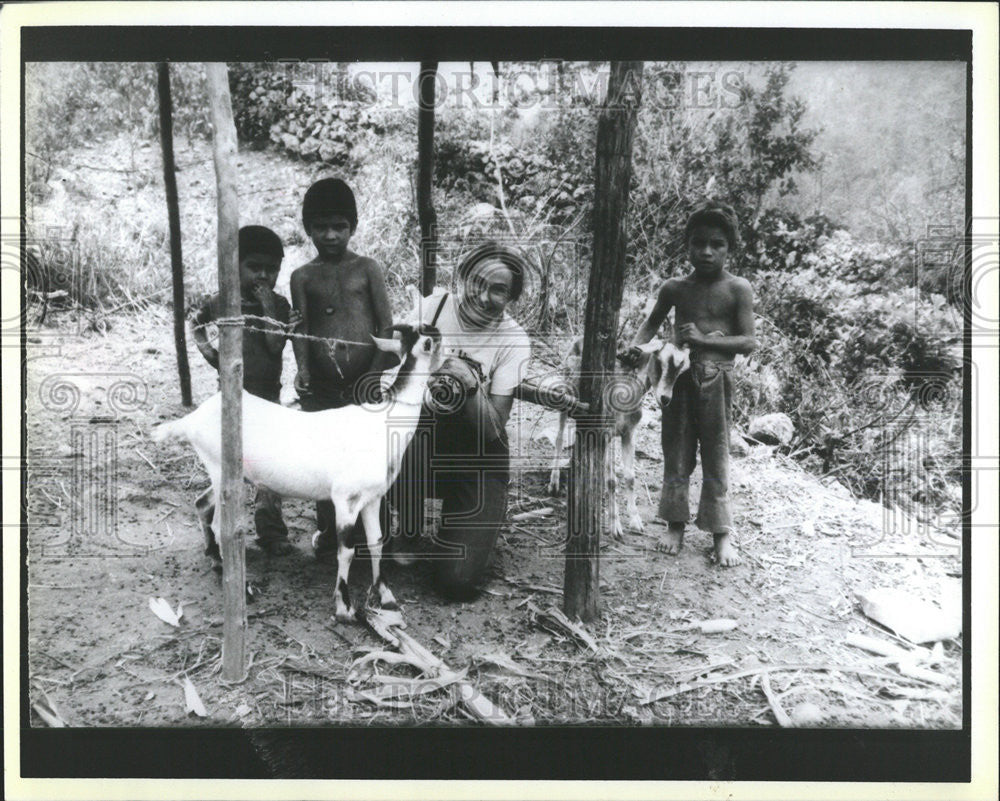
(331, 342)
(282, 329)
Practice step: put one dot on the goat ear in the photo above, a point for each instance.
(654, 370)
(416, 304)
(652, 346)
(413, 314)
(389, 345)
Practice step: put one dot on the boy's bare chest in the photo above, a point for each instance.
(713, 302)
(334, 291)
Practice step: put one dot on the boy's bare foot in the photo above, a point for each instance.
(725, 551)
(674, 541)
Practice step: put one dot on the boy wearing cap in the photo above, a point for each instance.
(268, 320)
(340, 296)
(714, 316)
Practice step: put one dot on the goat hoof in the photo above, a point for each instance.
(553, 488)
(403, 559)
(636, 524)
(386, 599)
(346, 616)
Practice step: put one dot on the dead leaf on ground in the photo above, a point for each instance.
(48, 711)
(192, 701)
(910, 617)
(503, 661)
(160, 608)
(806, 714)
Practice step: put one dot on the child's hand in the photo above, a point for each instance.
(294, 320)
(688, 333)
(630, 357)
(264, 294)
(302, 382)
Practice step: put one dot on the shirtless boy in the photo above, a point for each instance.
(342, 296)
(714, 316)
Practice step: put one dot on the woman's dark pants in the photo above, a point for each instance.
(447, 460)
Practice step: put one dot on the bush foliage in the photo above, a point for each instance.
(316, 120)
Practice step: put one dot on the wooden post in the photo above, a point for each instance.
(230, 501)
(174, 218)
(425, 176)
(613, 172)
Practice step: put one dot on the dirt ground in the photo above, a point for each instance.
(112, 525)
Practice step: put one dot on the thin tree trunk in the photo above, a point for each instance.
(425, 176)
(230, 500)
(174, 218)
(615, 130)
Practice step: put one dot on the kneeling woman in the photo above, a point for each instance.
(460, 453)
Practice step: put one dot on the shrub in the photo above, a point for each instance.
(320, 118)
(467, 161)
(861, 374)
(319, 131)
(901, 331)
(874, 267)
(260, 95)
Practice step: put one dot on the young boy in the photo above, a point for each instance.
(714, 316)
(340, 295)
(260, 255)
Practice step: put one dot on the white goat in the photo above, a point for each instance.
(662, 363)
(350, 456)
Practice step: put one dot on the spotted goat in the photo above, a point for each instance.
(661, 364)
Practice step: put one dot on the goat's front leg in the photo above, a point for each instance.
(612, 479)
(345, 611)
(205, 506)
(628, 473)
(554, 476)
(373, 536)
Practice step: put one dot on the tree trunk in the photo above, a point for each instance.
(613, 173)
(174, 218)
(230, 501)
(425, 176)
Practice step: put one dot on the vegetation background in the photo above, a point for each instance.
(849, 179)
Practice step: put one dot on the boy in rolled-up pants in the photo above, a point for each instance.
(265, 331)
(714, 316)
